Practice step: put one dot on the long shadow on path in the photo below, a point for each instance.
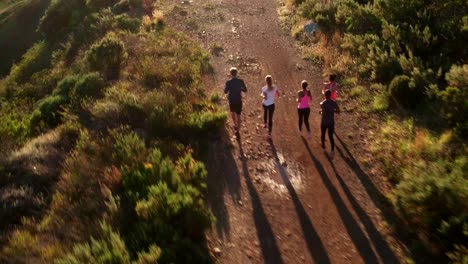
(380, 245)
(270, 251)
(377, 197)
(352, 227)
(223, 178)
(314, 244)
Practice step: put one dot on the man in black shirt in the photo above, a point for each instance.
(234, 87)
(329, 107)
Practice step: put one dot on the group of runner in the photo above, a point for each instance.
(235, 86)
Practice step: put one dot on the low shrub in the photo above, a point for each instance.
(60, 18)
(127, 23)
(107, 56)
(48, 112)
(89, 85)
(95, 5)
(168, 202)
(128, 148)
(21, 246)
(454, 106)
(108, 249)
(65, 86)
(34, 60)
(206, 122)
(432, 197)
(120, 105)
(401, 91)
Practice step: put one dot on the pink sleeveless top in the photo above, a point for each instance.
(331, 87)
(304, 102)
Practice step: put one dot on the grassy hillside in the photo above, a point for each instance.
(19, 20)
(403, 66)
(96, 165)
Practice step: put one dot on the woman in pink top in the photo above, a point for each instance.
(303, 107)
(332, 86)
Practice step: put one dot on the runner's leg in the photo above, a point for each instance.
(331, 130)
(323, 129)
(265, 113)
(306, 118)
(300, 114)
(270, 117)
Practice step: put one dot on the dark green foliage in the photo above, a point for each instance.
(400, 90)
(65, 86)
(169, 205)
(433, 196)
(98, 4)
(107, 56)
(121, 7)
(322, 13)
(127, 148)
(48, 111)
(358, 19)
(125, 22)
(61, 17)
(89, 85)
(454, 103)
(109, 249)
(34, 60)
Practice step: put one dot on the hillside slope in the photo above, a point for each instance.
(19, 20)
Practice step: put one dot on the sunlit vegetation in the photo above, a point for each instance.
(405, 61)
(97, 121)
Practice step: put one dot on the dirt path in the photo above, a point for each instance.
(284, 200)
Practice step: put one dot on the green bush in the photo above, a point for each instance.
(454, 104)
(324, 14)
(90, 84)
(120, 105)
(168, 201)
(358, 19)
(66, 85)
(60, 18)
(432, 196)
(207, 122)
(34, 60)
(127, 148)
(121, 7)
(109, 249)
(107, 56)
(403, 93)
(98, 4)
(48, 112)
(125, 22)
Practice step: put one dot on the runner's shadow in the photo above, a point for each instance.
(270, 250)
(381, 246)
(377, 197)
(314, 244)
(223, 176)
(358, 237)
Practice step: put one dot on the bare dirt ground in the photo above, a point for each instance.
(283, 200)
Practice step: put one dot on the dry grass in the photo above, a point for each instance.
(39, 147)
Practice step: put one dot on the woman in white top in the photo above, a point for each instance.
(269, 92)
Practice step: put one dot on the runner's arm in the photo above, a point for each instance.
(243, 88)
(226, 88)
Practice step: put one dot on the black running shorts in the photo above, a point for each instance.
(235, 107)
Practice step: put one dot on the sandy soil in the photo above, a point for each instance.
(283, 200)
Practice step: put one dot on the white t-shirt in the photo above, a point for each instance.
(270, 95)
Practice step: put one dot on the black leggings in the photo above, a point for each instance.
(304, 116)
(268, 114)
(331, 130)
